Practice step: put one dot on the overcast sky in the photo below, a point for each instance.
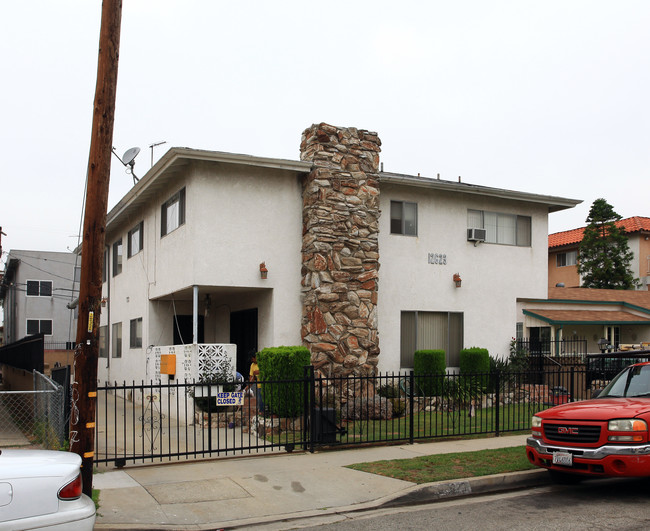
(547, 97)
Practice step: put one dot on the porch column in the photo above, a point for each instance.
(195, 315)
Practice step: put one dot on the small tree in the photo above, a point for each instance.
(604, 256)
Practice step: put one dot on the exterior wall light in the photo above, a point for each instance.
(263, 271)
(457, 280)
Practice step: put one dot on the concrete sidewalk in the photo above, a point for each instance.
(259, 489)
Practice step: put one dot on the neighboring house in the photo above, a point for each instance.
(35, 290)
(213, 247)
(622, 317)
(563, 253)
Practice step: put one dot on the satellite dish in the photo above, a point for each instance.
(130, 155)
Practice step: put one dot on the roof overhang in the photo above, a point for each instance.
(553, 203)
(176, 160)
(587, 317)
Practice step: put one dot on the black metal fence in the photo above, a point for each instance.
(156, 422)
(563, 351)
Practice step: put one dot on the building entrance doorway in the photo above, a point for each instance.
(243, 333)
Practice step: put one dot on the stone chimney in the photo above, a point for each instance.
(340, 249)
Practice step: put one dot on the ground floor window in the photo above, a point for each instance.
(136, 333)
(431, 330)
(116, 340)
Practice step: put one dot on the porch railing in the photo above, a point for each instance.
(574, 350)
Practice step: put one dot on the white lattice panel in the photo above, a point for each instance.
(217, 359)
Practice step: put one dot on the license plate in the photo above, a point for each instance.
(563, 458)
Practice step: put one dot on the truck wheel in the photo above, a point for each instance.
(563, 478)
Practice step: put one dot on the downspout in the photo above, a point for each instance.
(108, 312)
(195, 315)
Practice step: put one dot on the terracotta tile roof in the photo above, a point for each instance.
(636, 298)
(588, 316)
(574, 236)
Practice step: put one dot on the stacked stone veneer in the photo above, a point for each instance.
(340, 252)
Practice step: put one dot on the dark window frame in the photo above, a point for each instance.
(178, 197)
(135, 341)
(399, 224)
(139, 228)
(118, 257)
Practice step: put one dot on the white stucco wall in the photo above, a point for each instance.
(236, 217)
(493, 276)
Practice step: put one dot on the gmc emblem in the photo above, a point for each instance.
(567, 431)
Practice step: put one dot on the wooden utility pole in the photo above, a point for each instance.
(84, 386)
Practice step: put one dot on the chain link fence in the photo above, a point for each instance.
(34, 417)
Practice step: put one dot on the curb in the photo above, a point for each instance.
(443, 490)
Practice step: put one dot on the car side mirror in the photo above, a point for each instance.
(595, 393)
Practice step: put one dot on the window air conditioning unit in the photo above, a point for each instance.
(476, 235)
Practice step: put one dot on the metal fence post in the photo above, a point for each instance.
(308, 394)
(497, 405)
(411, 406)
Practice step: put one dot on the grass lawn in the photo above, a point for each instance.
(443, 467)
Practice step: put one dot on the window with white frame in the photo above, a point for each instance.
(172, 214)
(116, 340)
(428, 331)
(569, 258)
(39, 326)
(136, 240)
(117, 257)
(504, 229)
(404, 218)
(135, 334)
(39, 288)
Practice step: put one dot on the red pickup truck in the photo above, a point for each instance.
(605, 436)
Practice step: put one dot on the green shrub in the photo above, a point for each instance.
(475, 360)
(279, 364)
(429, 367)
(390, 390)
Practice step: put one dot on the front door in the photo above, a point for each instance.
(243, 333)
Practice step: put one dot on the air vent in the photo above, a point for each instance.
(476, 235)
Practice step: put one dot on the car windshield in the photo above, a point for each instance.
(633, 381)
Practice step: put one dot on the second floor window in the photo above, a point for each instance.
(403, 218)
(117, 257)
(567, 259)
(39, 288)
(135, 239)
(172, 214)
(505, 229)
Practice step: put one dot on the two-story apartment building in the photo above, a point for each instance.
(35, 291)
(563, 253)
(363, 266)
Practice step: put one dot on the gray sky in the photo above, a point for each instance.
(547, 97)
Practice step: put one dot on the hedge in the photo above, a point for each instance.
(429, 363)
(281, 364)
(475, 360)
